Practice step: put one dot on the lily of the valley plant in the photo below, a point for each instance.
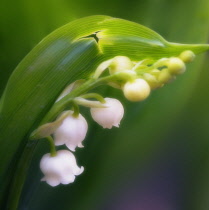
(43, 95)
(135, 79)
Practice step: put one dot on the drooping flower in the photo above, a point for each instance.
(137, 90)
(109, 116)
(71, 132)
(60, 169)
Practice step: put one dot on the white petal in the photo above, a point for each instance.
(117, 125)
(77, 171)
(71, 146)
(60, 135)
(59, 169)
(52, 180)
(67, 179)
(110, 116)
(71, 132)
(80, 145)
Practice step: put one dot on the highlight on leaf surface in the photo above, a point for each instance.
(110, 51)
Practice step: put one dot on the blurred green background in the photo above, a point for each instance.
(159, 157)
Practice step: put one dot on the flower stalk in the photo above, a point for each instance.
(53, 151)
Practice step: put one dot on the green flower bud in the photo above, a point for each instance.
(176, 66)
(120, 63)
(138, 90)
(155, 72)
(152, 81)
(187, 56)
(126, 75)
(165, 76)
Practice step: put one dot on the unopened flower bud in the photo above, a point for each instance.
(60, 169)
(155, 72)
(165, 77)
(120, 63)
(187, 56)
(109, 116)
(71, 132)
(152, 81)
(126, 75)
(137, 90)
(176, 66)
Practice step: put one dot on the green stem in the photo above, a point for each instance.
(75, 110)
(53, 151)
(94, 95)
(62, 104)
(196, 48)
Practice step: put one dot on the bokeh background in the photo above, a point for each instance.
(159, 157)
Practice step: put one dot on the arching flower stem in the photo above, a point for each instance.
(94, 95)
(53, 151)
(75, 109)
(63, 103)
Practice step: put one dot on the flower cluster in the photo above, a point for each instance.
(135, 79)
(62, 168)
(146, 75)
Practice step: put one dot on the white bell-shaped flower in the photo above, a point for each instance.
(60, 169)
(71, 132)
(109, 116)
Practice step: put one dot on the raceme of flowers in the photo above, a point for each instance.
(135, 79)
(62, 168)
